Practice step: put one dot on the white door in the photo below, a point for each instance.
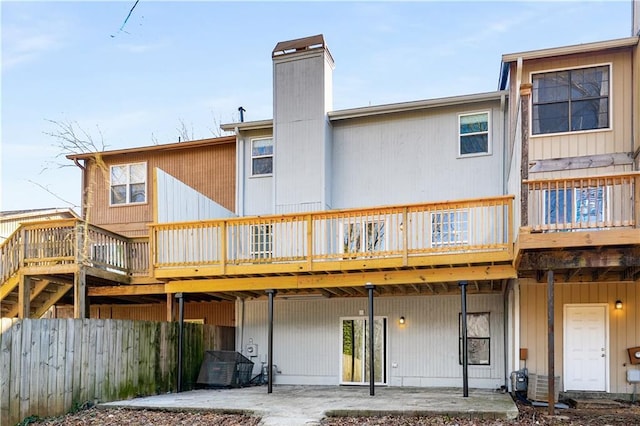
(586, 348)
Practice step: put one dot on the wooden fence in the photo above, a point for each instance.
(49, 366)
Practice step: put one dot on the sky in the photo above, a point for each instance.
(137, 80)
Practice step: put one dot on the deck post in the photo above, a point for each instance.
(24, 296)
(525, 95)
(372, 371)
(170, 307)
(465, 358)
(271, 293)
(551, 343)
(180, 298)
(80, 305)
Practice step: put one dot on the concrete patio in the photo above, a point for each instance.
(307, 405)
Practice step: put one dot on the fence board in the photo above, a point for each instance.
(48, 366)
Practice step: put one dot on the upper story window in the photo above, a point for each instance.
(571, 100)
(474, 133)
(261, 157)
(128, 183)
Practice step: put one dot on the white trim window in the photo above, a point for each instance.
(262, 157)
(473, 133)
(450, 228)
(128, 184)
(261, 243)
(478, 338)
(571, 100)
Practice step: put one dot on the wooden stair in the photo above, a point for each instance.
(43, 295)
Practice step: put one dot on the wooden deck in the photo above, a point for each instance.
(585, 228)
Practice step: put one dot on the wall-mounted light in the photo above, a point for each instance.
(401, 320)
(618, 304)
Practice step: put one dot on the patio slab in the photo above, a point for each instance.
(306, 405)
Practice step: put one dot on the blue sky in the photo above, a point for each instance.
(197, 62)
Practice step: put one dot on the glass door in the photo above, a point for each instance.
(355, 355)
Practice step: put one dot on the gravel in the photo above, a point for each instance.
(621, 414)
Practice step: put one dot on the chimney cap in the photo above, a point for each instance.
(299, 44)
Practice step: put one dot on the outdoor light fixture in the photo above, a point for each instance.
(401, 321)
(618, 304)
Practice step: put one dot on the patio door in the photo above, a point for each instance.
(355, 356)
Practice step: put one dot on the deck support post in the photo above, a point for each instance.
(180, 298)
(271, 293)
(24, 296)
(465, 358)
(372, 371)
(550, 336)
(80, 305)
(171, 307)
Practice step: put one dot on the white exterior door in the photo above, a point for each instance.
(586, 347)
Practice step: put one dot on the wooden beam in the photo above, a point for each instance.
(24, 289)
(591, 238)
(40, 285)
(80, 305)
(9, 286)
(525, 94)
(572, 259)
(52, 299)
(581, 162)
(126, 290)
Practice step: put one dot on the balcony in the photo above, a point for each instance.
(584, 227)
(470, 233)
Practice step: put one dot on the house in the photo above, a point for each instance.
(381, 242)
(11, 220)
(574, 147)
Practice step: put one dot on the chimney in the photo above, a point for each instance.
(302, 97)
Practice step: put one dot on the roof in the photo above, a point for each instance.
(159, 148)
(382, 109)
(35, 212)
(562, 51)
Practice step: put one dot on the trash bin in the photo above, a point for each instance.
(225, 369)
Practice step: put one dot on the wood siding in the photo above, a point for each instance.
(424, 349)
(624, 325)
(413, 157)
(209, 170)
(617, 139)
(213, 313)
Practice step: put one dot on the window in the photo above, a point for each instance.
(478, 339)
(474, 133)
(129, 183)
(358, 237)
(582, 206)
(571, 100)
(261, 244)
(261, 157)
(449, 228)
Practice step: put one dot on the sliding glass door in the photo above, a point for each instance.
(355, 356)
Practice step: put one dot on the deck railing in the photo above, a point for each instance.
(581, 203)
(398, 232)
(51, 245)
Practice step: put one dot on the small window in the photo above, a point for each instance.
(478, 339)
(474, 133)
(128, 184)
(261, 157)
(449, 228)
(570, 100)
(261, 244)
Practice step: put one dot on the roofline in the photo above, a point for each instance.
(248, 125)
(37, 212)
(572, 49)
(158, 148)
(414, 105)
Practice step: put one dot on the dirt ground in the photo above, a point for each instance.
(620, 414)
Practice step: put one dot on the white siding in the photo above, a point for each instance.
(257, 198)
(425, 350)
(178, 202)
(413, 157)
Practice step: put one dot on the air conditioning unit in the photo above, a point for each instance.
(538, 388)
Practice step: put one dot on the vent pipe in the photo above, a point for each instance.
(241, 110)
